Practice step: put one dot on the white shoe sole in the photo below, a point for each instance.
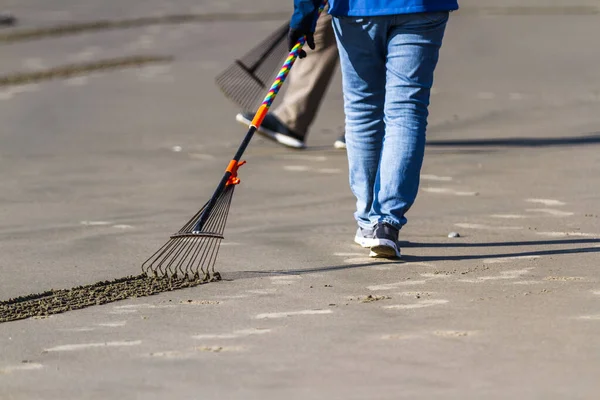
(339, 145)
(278, 137)
(364, 242)
(384, 248)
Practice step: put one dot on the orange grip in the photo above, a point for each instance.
(260, 115)
(232, 167)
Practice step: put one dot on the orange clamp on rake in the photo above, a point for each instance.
(233, 168)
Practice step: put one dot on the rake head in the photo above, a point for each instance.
(244, 82)
(191, 253)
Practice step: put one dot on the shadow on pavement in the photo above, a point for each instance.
(407, 258)
(520, 142)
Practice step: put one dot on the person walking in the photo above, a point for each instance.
(289, 123)
(388, 51)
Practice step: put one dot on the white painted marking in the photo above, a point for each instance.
(113, 324)
(84, 346)
(348, 254)
(77, 81)
(550, 211)
(414, 294)
(292, 313)
(143, 305)
(123, 312)
(155, 73)
(418, 263)
(514, 274)
(565, 234)
(29, 88)
(176, 149)
(285, 277)
(296, 168)
(21, 367)
(564, 278)
(547, 202)
(95, 223)
(421, 304)
(590, 317)
(526, 282)
(390, 286)
(436, 178)
(9, 93)
(596, 292)
(200, 156)
(301, 157)
(488, 227)
(122, 226)
(329, 170)
(399, 337)
(516, 96)
(262, 291)
(230, 244)
(234, 335)
(505, 260)
(284, 280)
(82, 329)
(448, 191)
(435, 276)
(486, 95)
(508, 216)
(233, 297)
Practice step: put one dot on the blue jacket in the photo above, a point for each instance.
(305, 11)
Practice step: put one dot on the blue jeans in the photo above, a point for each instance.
(387, 65)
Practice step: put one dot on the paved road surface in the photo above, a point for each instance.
(91, 185)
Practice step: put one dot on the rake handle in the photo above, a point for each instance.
(260, 115)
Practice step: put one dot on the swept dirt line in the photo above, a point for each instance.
(71, 70)
(104, 25)
(59, 301)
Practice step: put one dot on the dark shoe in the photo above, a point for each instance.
(7, 19)
(340, 143)
(274, 129)
(385, 242)
(364, 237)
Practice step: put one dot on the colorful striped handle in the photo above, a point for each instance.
(281, 76)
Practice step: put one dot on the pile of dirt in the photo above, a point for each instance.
(62, 300)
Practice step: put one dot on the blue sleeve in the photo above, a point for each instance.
(305, 14)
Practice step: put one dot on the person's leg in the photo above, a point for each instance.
(308, 80)
(362, 48)
(413, 48)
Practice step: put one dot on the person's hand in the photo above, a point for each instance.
(303, 24)
(295, 35)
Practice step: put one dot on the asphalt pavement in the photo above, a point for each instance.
(97, 169)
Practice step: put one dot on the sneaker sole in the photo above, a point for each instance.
(384, 248)
(339, 145)
(364, 242)
(278, 137)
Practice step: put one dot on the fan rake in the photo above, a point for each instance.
(244, 82)
(191, 253)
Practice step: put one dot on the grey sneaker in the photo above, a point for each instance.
(340, 142)
(364, 237)
(274, 129)
(385, 242)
